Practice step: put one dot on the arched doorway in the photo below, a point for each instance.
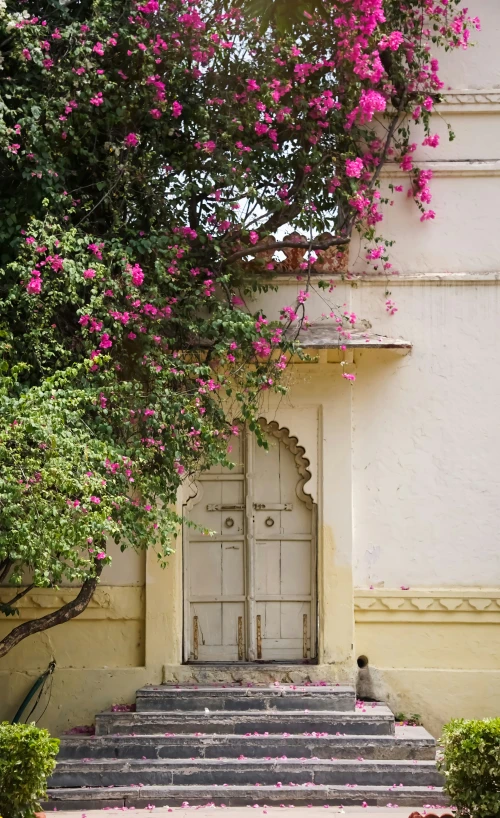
(250, 589)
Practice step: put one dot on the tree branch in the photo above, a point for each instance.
(64, 614)
(5, 567)
(388, 140)
(301, 245)
(18, 596)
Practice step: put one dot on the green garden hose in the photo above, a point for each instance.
(38, 686)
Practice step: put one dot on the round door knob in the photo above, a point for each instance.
(269, 522)
(229, 522)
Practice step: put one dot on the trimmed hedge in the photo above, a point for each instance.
(27, 758)
(471, 765)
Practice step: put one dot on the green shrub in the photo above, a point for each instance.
(412, 719)
(471, 765)
(27, 758)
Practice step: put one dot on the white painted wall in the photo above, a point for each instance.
(425, 428)
(463, 236)
(478, 67)
(425, 434)
(426, 440)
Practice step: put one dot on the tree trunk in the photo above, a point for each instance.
(64, 614)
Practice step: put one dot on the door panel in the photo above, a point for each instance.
(267, 567)
(232, 629)
(206, 569)
(285, 636)
(207, 628)
(250, 583)
(235, 455)
(299, 519)
(233, 569)
(215, 631)
(217, 569)
(221, 509)
(295, 576)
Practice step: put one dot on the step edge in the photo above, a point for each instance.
(232, 787)
(247, 691)
(245, 713)
(352, 737)
(249, 762)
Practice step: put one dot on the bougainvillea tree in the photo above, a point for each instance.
(148, 150)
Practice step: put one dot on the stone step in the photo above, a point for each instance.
(244, 673)
(221, 772)
(374, 720)
(104, 797)
(238, 697)
(407, 743)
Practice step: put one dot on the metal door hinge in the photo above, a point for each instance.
(195, 637)
(240, 638)
(259, 636)
(273, 506)
(226, 507)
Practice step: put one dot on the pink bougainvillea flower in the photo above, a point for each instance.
(354, 167)
(105, 342)
(89, 273)
(428, 214)
(137, 275)
(34, 286)
(432, 140)
(131, 140)
(176, 109)
(150, 7)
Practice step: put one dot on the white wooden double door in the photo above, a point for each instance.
(250, 586)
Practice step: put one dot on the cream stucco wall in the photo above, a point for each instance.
(478, 67)
(404, 467)
(426, 445)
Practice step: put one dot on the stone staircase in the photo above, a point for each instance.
(237, 745)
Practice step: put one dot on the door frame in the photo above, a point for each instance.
(282, 434)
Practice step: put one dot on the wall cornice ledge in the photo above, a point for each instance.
(445, 605)
(408, 279)
(452, 167)
(470, 100)
(383, 280)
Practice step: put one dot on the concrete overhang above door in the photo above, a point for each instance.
(325, 336)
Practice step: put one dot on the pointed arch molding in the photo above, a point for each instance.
(193, 488)
(302, 464)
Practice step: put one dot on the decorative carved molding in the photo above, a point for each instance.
(487, 98)
(469, 100)
(108, 602)
(422, 605)
(301, 462)
(332, 260)
(194, 490)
